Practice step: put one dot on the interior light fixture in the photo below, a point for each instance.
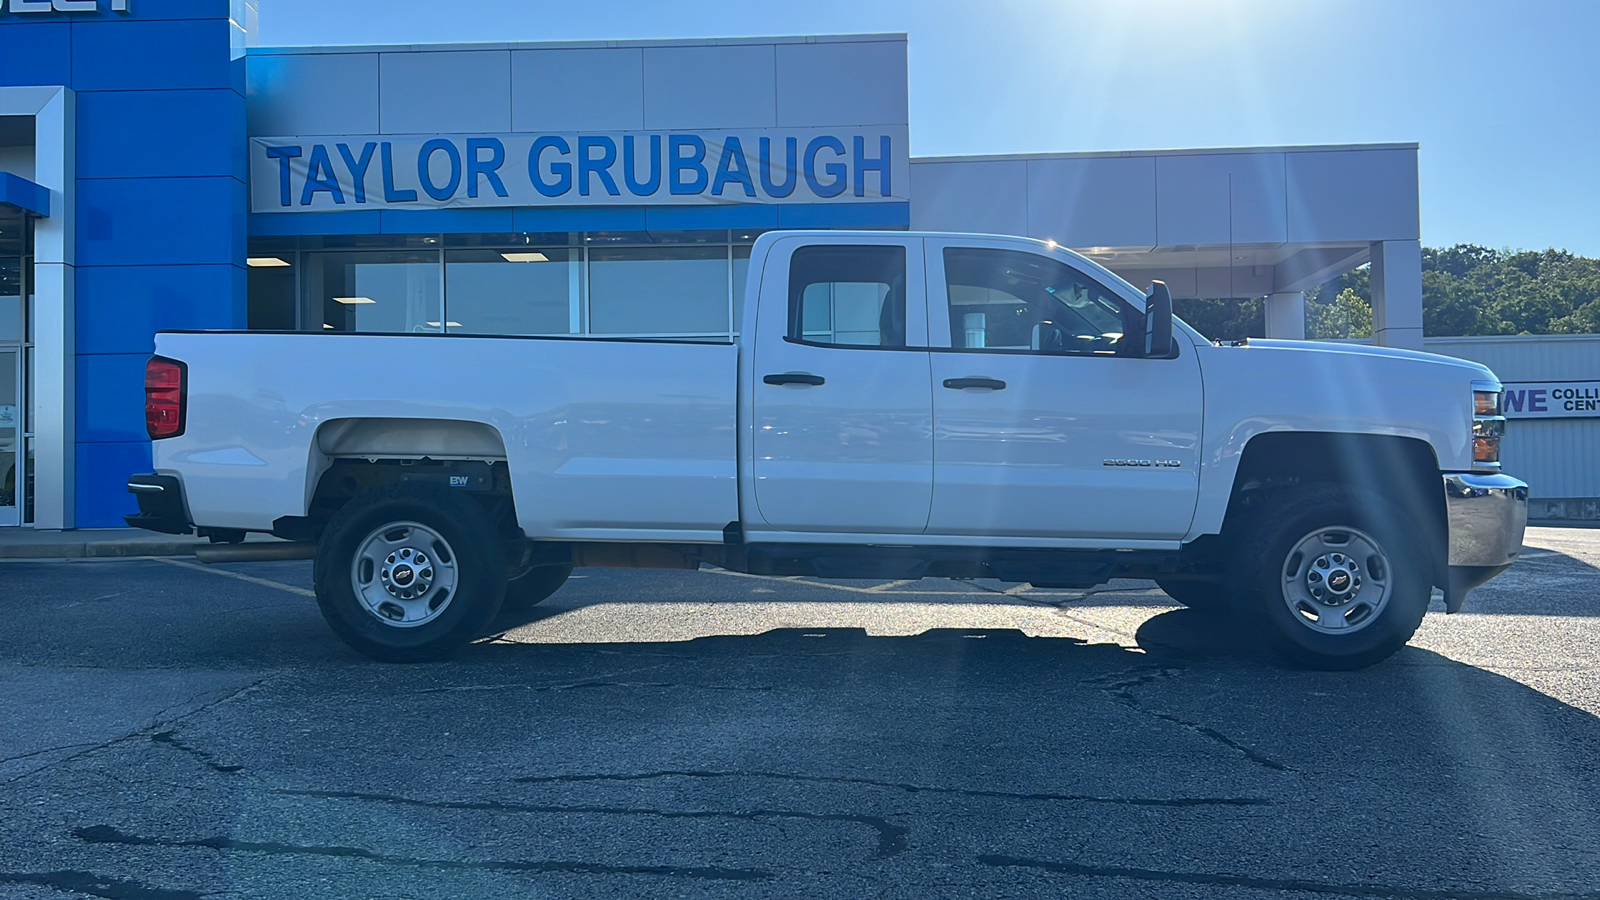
(534, 256)
(447, 324)
(353, 301)
(266, 262)
(327, 326)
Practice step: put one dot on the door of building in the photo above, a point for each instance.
(13, 459)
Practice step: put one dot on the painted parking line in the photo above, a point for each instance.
(264, 582)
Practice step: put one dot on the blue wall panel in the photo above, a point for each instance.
(153, 55)
(692, 218)
(35, 52)
(615, 218)
(170, 221)
(161, 205)
(120, 308)
(103, 471)
(446, 221)
(290, 224)
(111, 398)
(845, 215)
(146, 134)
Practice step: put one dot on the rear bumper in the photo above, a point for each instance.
(1487, 515)
(161, 504)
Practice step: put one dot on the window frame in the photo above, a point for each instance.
(941, 331)
(794, 324)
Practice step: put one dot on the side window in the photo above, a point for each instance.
(1012, 300)
(848, 296)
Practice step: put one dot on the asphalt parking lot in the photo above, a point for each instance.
(170, 730)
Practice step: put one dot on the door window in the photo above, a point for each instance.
(1012, 300)
(848, 296)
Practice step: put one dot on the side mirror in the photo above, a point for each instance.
(1049, 338)
(1157, 321)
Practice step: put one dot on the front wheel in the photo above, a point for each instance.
(1336, 577)
(409, 573)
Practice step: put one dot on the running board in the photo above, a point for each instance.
(264, 551)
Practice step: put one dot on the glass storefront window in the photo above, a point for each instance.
(741, 271)
(685, 284)
(272, 292)
(526, 290)
(679, 290)
(386, 291)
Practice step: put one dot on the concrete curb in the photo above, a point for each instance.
(98, 549)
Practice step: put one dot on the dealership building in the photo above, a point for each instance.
(160, 171)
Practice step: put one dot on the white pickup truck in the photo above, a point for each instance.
(899, 405)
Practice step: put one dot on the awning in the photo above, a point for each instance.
(20, 193)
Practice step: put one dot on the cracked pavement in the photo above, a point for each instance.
(175, 731)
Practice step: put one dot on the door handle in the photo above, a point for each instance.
(795, 378)
(987, 384)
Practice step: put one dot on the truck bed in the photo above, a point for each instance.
(604, 439)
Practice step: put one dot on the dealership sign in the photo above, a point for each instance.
(804, 165)
(1552, 400)
(62, 6)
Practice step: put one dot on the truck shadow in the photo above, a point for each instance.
(1177, 763)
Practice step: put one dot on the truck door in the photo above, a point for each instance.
(842, 412)
(1041, 429)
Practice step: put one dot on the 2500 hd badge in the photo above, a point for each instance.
(1157, 463)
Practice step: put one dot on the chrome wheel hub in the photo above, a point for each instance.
(404, 574)
(1336, 580)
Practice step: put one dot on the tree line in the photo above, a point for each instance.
(1466, 290)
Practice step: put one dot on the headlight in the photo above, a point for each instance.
(1488, 426)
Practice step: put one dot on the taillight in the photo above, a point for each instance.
(163, 397)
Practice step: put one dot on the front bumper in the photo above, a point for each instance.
(161, 506)
(1486, 515)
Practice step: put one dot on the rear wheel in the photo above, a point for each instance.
(535, 586)
(409, 573)
(1336, 577)
(1200, 596)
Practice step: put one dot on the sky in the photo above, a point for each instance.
(1503, 97)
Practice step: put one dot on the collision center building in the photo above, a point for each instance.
(159, 171)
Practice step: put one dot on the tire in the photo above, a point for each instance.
(535, 586)
(1335, 577)
(382, 545)
(1201, 596)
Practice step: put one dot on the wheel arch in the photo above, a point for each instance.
(1404, 471)
(357, 454)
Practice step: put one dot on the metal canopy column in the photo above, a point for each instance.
(1286, 316)
(1397, 294)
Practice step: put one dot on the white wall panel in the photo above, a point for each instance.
(1093, 201)
(974, 197)
(591, 89)
(1353, 195)
(1194, 205)
(732, 86)
(311, 93)
(441, 93)
(1544, 357)
(1559, 458)
(842, 84)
